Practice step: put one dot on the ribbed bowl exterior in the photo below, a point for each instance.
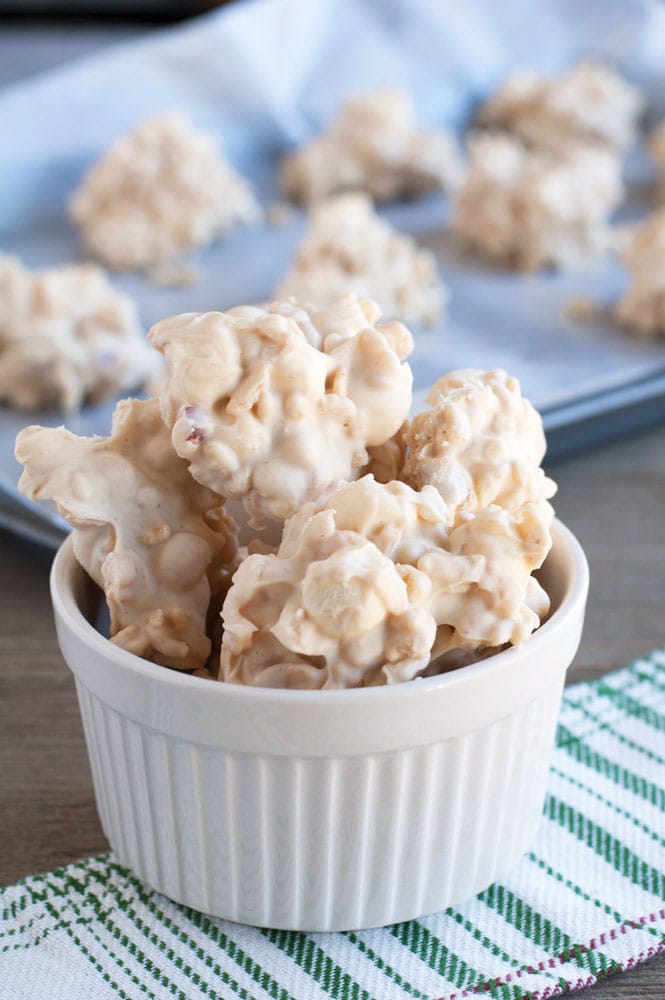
(321, 810)
(321, 843)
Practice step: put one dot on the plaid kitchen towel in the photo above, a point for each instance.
(585, 903)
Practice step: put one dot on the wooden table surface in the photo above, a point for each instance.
(613, 499)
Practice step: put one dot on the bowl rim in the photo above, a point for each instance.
(66, 607)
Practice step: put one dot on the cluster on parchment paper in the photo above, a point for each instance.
(588, 104)
(67, 337)
(374, 145)
(530, 210)
(157, 193)
(348, 248)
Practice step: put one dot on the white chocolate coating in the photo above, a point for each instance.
(349, 248)
(67, 336)
(589, 103)
(481, 443)
(530, 210)
(158, 543)
(641, 310)
(374, 145)
(158, 192)
(274, 406)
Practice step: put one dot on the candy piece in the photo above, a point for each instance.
(374, 145)
(481, 443)
(349, 248)
(589, 103)
(274, 406)
(483, 593)
(67, 336)
(531, 210)
(158, 192)
(156, 541)
(327, 611)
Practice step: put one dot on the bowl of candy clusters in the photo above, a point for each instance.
(327, 694)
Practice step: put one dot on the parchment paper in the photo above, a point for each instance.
(266, 75)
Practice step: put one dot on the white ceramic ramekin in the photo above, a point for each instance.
(321, 810)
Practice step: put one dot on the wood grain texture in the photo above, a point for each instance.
(613, 499)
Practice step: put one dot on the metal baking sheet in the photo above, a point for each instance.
(590, 380)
